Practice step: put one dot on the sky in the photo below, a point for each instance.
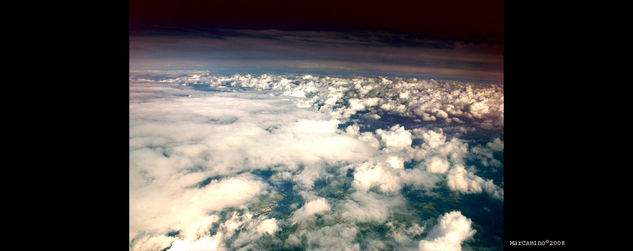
(460, 40)
(466, 20)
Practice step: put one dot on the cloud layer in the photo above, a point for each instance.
(305, 161)
(323, 52)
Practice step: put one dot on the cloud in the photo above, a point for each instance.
(396, 137)
(395, 162)
(496, 145)
(195, 236)
(268, 226)
(459, 179)
(206, 243)
(405, 235)
(226, 131)
(313, 207)
(437, 164)
(369, 207)
(387, 173)
(446, 101)
(179, 138)
(366, 176)
(421, 179)
(245, 230)
(486, 153)
(161, 207)
(159, 242)
(432, 139)
(335, 237)
(205, 149)
(449, 233)
(438, 155)
(241, 230)
(199, 229)
(309, 175)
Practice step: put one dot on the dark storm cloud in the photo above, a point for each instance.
(360, 52)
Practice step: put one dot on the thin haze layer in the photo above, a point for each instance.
(266, 51)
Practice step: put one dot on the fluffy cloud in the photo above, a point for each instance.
(316, 206)
(431, 138)
(247, 230)
(178, 141)
(195, 236)
(367, 176)
(395, 162)
(268, 226)
(459, 179)
(240, 230)
(160, 207)
(229, 132)
(199, 229)
(439, 155)
(437, 164)
(159, 242)
(201, 144)
(449, 233)
(389, 176)
(429, 100)
(206, 243)
(395, 137)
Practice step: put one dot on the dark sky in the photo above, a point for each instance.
(441, 39)
(448, 19)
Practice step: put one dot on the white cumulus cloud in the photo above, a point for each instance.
(452, 229)
(396, 137)
(316, 206)
(203, 143)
